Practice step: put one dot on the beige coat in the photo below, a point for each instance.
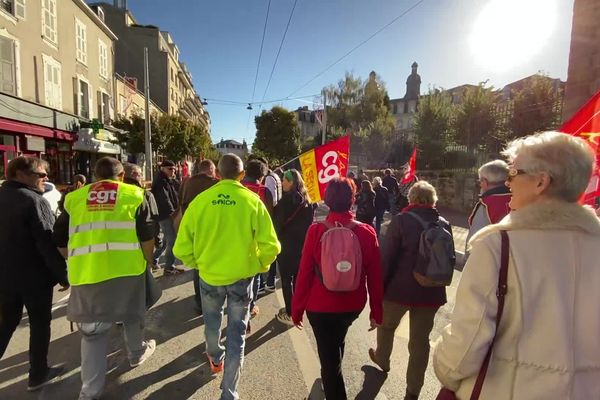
(548, 344)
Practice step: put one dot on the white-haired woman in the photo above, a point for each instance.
(382, 202)
(547, 339)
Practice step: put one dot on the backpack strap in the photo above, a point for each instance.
(418, 218)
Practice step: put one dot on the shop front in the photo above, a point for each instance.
(90, 147)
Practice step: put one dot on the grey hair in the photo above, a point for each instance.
(422, 193)
(495, 172)
(230, 166)
(25, 164)
(377, 181)
(203, 167)
(129, 168)
(568, 160)
(108, 168)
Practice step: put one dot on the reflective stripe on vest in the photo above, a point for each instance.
(103, 242)
(95, 248)
(101, 225)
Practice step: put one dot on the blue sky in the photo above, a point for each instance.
(220, 43)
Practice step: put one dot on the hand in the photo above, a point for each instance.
(64, 287)
(299, 325)
(374, 325)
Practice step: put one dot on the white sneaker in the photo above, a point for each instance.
(284, 318)
(150, 347)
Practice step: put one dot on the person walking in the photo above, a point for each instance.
(382, 202)
(31, 265)
(365, 203)
(403, 294)
(331, 313)
(293, 216)
(204, 178)
(227, 234)
(164, 189)
(535, 332)
(493, 201)
(390, 182)
(107, 234)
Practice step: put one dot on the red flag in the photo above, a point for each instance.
(324, 163)
(409, 175)
(586, 125)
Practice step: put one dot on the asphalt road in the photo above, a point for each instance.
(280, 363)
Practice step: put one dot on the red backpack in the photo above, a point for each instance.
(341, 257)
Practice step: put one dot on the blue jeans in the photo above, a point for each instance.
(238, 296)
(168, 230)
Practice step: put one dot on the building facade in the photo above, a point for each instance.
(57, 77)
(233, 146)
(405, 108)
(583, 79)
(130, 100)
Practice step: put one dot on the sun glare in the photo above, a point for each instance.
(508, 33)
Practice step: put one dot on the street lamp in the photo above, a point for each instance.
(249, 106)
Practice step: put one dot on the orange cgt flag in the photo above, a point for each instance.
(409, 175)
(586, 125)
(322, 164)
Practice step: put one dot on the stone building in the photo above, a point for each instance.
(404, 109)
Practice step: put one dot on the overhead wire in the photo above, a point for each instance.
(358, 46)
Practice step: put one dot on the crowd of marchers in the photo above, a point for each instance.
(527, 307)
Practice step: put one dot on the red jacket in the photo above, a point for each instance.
(311, 295)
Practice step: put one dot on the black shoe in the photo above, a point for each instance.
(410, 396)
(51, 375)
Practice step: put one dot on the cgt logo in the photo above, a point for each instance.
(223, 200)
(102, 196)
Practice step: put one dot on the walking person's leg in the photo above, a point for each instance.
(39, 310)
(11, 312)
(392, 315)
(168, 229)
(138, 349)
(421, 324)
(271, 277)
(213, 299)
(238, 301)
(197, 298)
(378, 220)
(159, 244)
(288, 269)
(94, 341)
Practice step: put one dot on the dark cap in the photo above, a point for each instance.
(167, 163)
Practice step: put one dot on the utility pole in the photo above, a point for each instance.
(147, 128)
(324, 133)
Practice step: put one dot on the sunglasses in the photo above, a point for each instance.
(39, 174)
(513, 172)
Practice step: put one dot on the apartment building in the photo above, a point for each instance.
(57, 79)
(130, 99)
(171, 87)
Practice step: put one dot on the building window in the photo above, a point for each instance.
(81, 41)
(123, 104)
(103, 100)
(103, 54)
(8, 79)
(52, 82)
(49, 20)
(16, 8)
(82, 98)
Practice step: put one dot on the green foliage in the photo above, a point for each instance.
(476, 122)
(460, 159)
(132, 139)
(399, 152)
(277, 135)
(433, 128)
(536, 108)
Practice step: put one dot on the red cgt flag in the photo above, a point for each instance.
(409, 175)
(586, 125)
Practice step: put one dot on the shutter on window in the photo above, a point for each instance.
(7, 66)
(20, 9)
(76, 96)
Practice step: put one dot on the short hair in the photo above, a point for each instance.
(422, 193)
(129, 168)
(339, 195)
(204, 167)
(79, 178)
(256, 169)
(230, 166)
(377, 181)
(387, 171)
(108, 168)
(495, 172)
(262, 160)
(24, 164)
(568, 160)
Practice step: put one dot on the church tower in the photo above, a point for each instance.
(413, 84)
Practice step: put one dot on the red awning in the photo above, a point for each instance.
(35, 130)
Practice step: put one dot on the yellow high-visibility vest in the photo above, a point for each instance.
(103, 242)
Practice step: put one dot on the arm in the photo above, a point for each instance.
(461, 349)
(266, 239)
(374, 277)
(184, 243)
(305, 275)
(144, 227)
(41, 224)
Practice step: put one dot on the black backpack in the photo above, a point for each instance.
(436, 258)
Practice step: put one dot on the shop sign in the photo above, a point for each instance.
(34, 143)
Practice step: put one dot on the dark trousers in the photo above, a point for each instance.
(271, 275)
(38, 304)
(330, 331)
(378, 220)
(197, 297)
(288, 269)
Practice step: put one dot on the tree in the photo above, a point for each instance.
(536, 107)
(476, 122)
(132, 137)
(277, 135)
(433, 128)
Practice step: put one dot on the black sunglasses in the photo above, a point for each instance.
(39, 174)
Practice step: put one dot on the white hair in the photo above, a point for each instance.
(377, 181)
(495, 172)
(568, 160)
(422, 193)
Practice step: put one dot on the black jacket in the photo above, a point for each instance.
(29, 259)
(291, 228)
(382, 198)
(165, 194)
